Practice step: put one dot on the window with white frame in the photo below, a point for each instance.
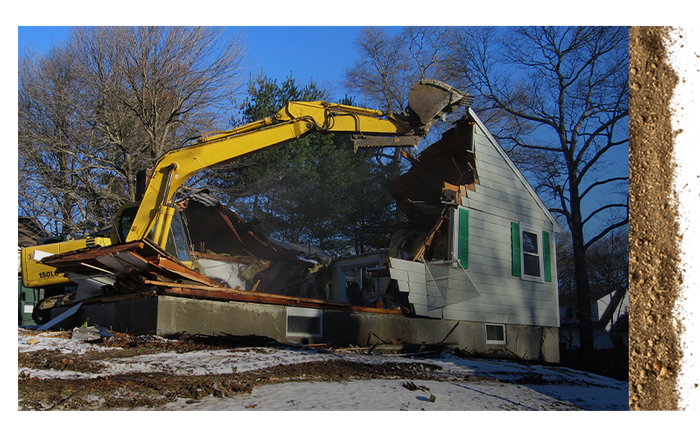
(304, 322)
(357, 282)
(531, 252)
(532, 258)
(496, 334)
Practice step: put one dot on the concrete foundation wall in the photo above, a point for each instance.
(166, 315)
(359, 328)
(209, 317)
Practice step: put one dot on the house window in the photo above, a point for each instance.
(357, 284)
(531, 253)
(304, 322)
(496, 334)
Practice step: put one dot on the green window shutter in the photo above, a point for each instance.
(463, 239)
(515, 240)
(546, 251)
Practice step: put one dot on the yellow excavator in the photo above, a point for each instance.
(155, 217)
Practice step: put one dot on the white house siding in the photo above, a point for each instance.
(501, 197)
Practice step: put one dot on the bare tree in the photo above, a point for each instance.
(380, 75)
(608, 268)
(427, 49)
(52, 141)
(153, 88)
(108, 103)
(389, 65)
(561, 94)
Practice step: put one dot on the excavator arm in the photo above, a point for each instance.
(294, 121)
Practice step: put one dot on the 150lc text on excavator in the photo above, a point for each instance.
(155, 217)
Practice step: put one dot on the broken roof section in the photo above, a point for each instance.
(228, 253)
(234, 263)
(440, 175)
(239, 256)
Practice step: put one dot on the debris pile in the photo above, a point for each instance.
(230, 260)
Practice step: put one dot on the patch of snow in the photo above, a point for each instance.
(510, 385)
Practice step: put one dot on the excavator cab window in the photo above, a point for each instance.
(125, 221)
(178, 242)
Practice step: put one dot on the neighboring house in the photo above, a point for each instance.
(610, 314)
(478, 247)
(616, 325)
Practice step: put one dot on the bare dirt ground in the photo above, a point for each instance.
(152, 390)
(654, 231)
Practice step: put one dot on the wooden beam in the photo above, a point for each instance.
(226, 294)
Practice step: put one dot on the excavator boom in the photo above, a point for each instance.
(431, 100)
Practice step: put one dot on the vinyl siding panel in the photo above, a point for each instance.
(415, 285)
(500, 185)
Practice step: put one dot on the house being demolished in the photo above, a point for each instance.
(474, 265)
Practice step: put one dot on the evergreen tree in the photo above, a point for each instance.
(312, 191)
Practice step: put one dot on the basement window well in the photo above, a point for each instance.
(304, 322)
(496, 334)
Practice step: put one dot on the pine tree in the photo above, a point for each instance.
(312, 191)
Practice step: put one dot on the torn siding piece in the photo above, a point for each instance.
(411, 277)
(431, 286)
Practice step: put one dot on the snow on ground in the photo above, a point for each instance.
(514, 386)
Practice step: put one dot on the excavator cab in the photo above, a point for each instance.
(178, 242)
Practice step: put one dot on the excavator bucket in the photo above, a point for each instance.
(429, 100)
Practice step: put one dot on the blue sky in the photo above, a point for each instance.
(305, 52)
